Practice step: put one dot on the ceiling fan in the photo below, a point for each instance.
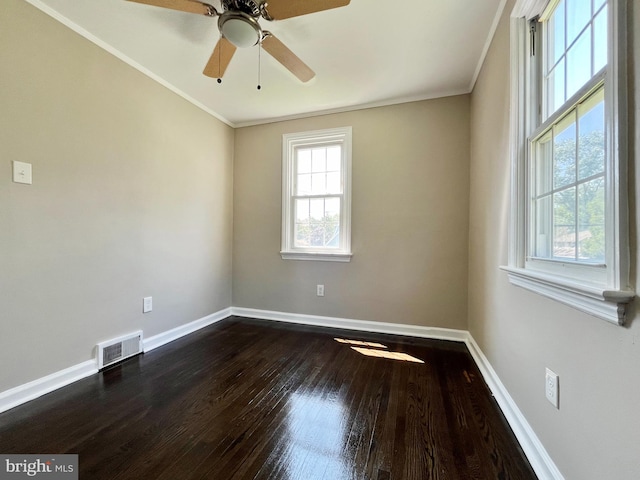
(239, 26)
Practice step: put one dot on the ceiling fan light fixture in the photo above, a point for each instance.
(240, 29)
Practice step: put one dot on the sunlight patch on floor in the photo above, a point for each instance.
(370, 352)
(360, 342)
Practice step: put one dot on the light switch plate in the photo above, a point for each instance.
(147, 304)
(22, 172)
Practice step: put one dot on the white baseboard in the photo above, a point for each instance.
(29, 391)
(358, 325)
(175, 333)
(538, 457)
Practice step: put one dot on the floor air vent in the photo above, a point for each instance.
(117, 349)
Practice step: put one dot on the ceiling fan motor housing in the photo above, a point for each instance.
(250, 7)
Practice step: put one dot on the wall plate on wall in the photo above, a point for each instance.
(22, 172)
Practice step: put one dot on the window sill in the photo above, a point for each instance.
(321, 257)
(609, 305)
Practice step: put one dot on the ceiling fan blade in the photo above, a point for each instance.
(180, 5)
(281, 9)
(286, 57)
(220, 58)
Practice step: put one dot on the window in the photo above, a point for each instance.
(316, 198)
(569, 238)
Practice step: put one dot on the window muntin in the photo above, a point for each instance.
(316, 195)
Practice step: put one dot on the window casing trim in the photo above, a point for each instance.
(609, 305)
(290, 142)
(607, 300)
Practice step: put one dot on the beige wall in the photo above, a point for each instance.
(131, 197)
(410, 217)
(595, 434)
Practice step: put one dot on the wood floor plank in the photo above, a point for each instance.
(255, 400)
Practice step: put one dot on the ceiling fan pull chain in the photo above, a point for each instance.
(259, 64)
(220, 58)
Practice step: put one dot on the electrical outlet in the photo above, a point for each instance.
(147, 304)
(551, 388)
(320, 290)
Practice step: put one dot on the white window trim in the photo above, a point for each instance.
(289, 142)
(608, 302)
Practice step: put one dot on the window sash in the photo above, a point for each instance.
(561, 65)
(327, 174)
(320, 224)
(542, 242)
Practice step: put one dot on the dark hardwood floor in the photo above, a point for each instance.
(249, 399)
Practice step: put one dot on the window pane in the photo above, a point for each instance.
(591, 142)
(333, 182)
(579, 63)
(317, 208)
(591, 215)
(564, 152)
(600, 41)
(578, 14)
(544, 165)
(316, 235)
(332, 234)
(302, 237)
(319, 160)
(542, 239)
(332, 208)
(555, 35)
(318, 183)
(302, 210)
(555, 88)
(334, 158)
(304, 161)
(303, 184)
(564, 224)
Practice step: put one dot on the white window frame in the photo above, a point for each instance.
(290, 143)
(565, 282)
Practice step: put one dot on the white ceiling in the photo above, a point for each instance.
(368, 53)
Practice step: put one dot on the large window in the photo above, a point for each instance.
(316, 196)
(569, 219)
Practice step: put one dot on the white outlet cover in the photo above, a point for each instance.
(551, 387)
